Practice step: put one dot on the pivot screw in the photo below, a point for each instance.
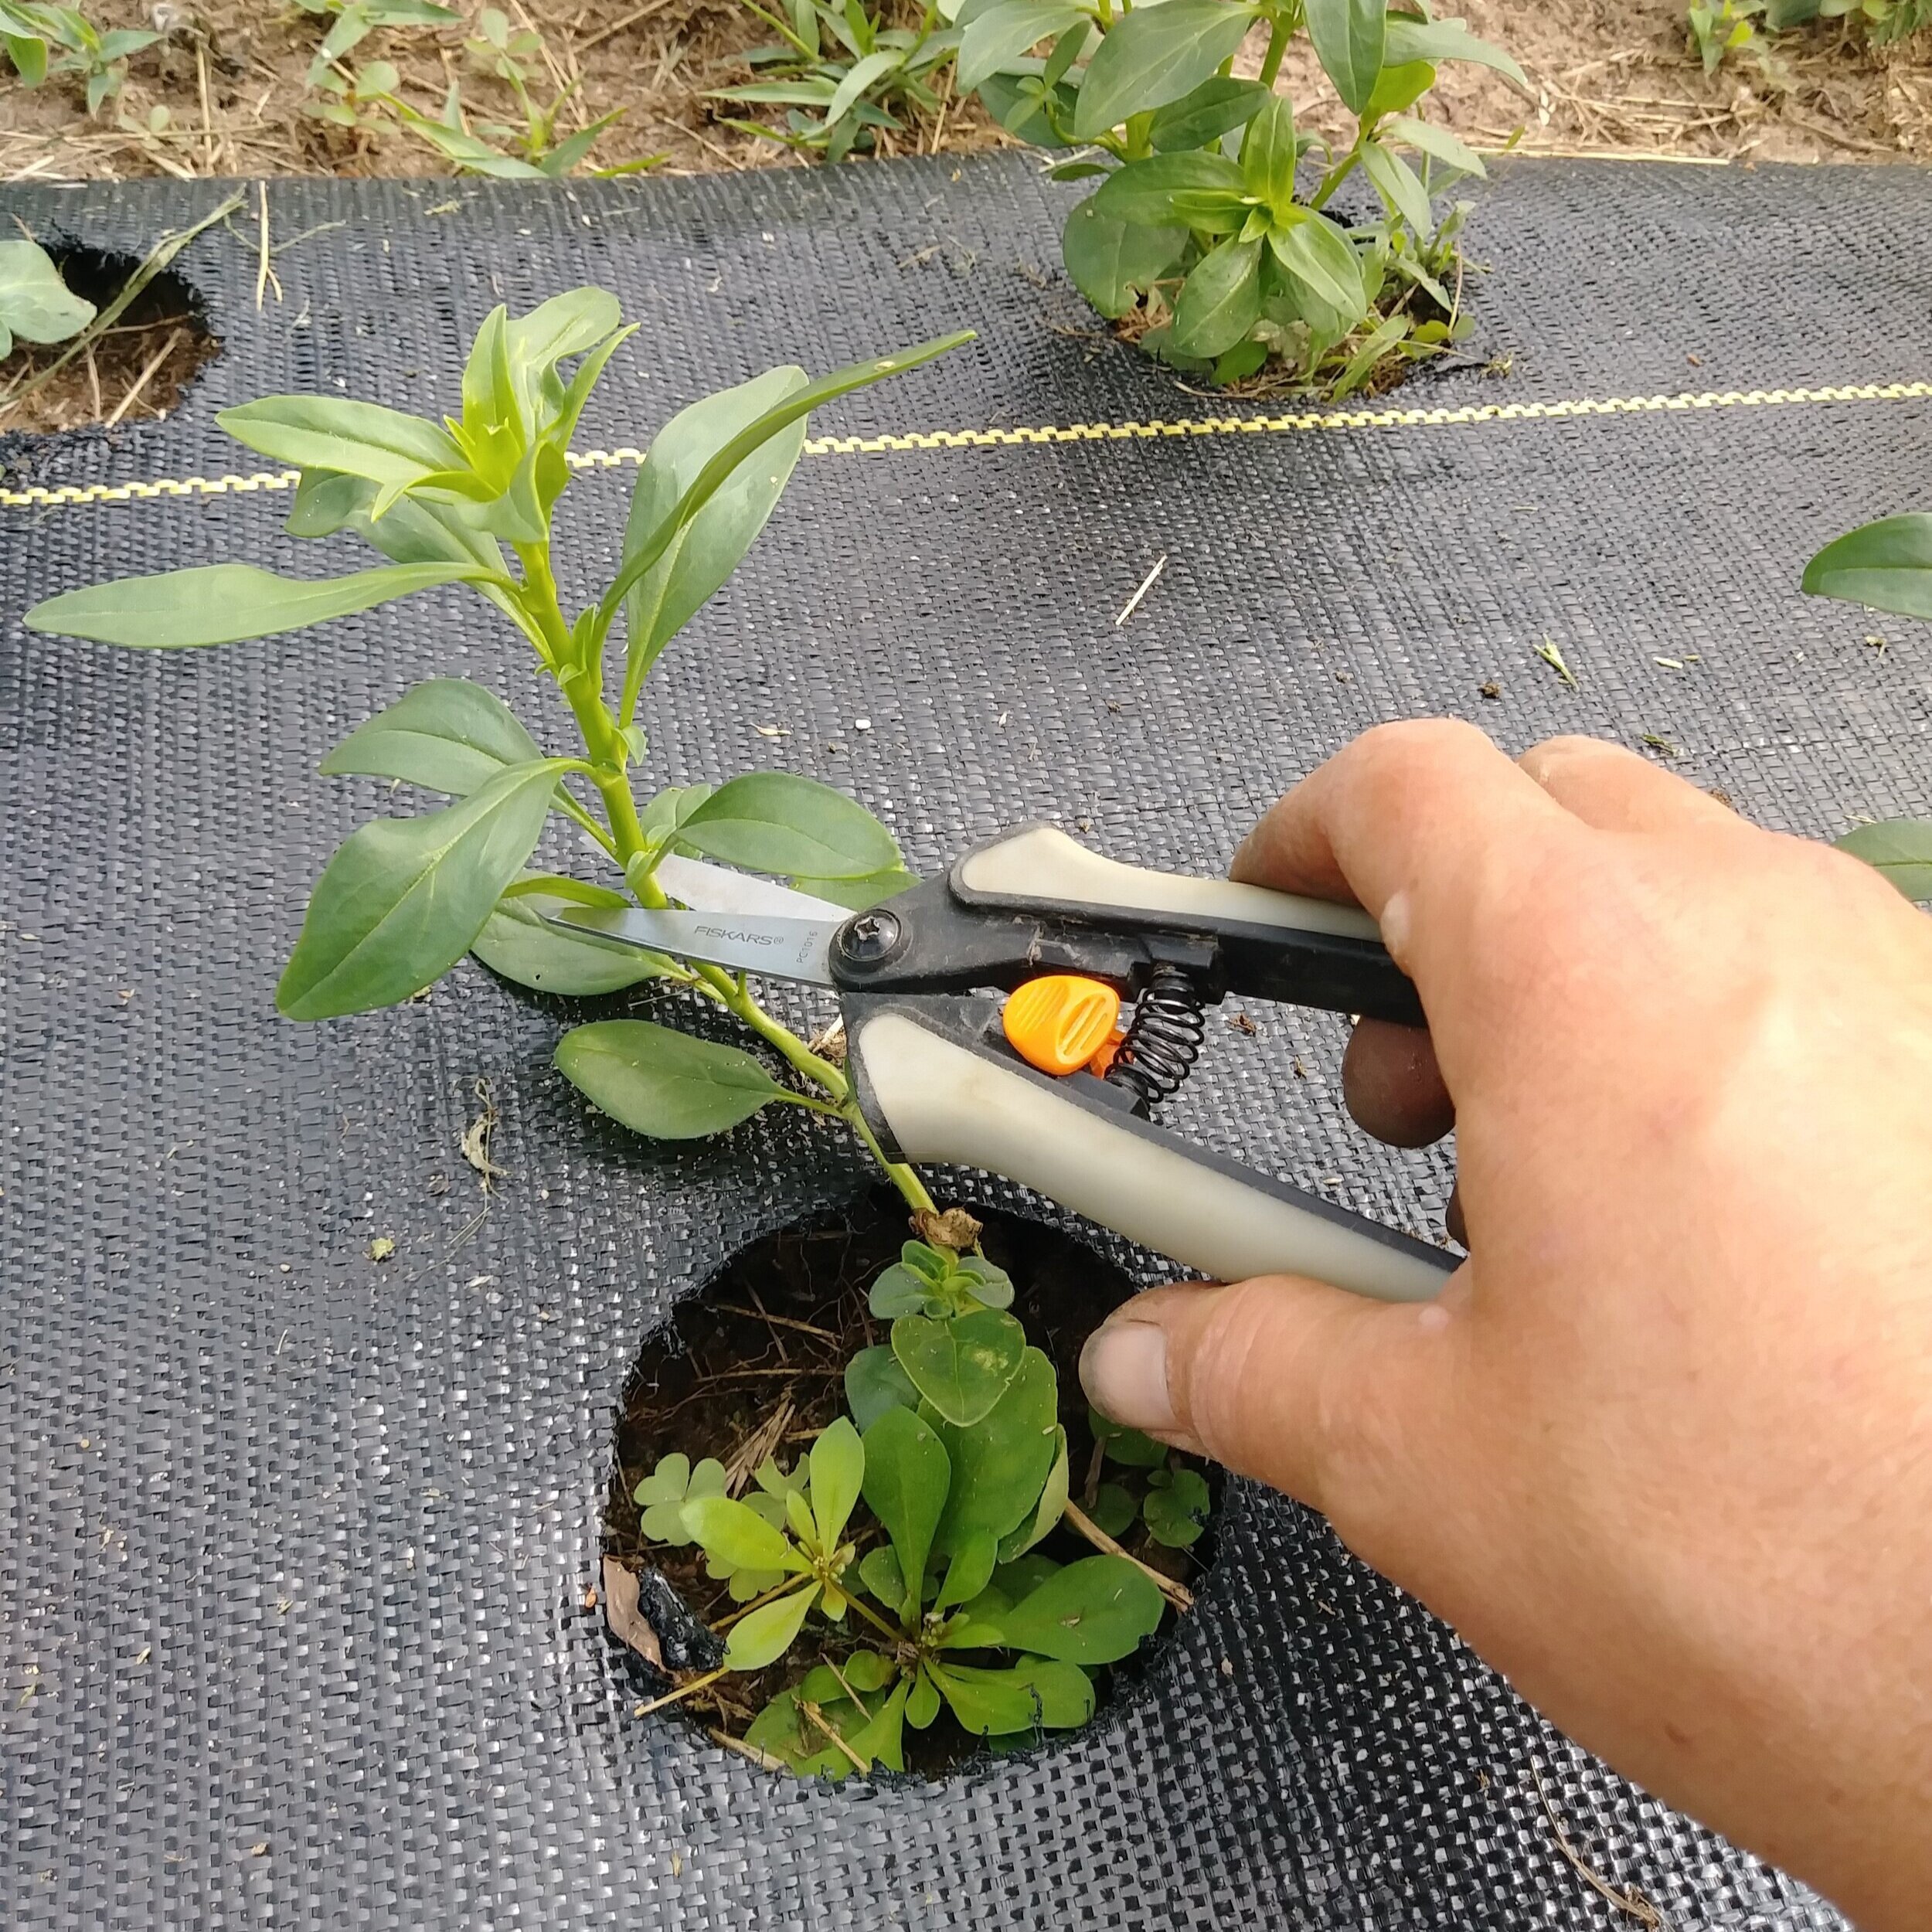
(867, 939)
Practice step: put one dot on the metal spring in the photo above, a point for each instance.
(1164, 1040)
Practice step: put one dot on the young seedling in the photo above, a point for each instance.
(352, 21)
(842, 76)
(1215, 231)
(962, 1463)
(41, 40)
(529, 150)
(355, 98)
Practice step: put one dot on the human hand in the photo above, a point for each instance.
(1661, 1452)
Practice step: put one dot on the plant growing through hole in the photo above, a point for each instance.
(842, 75)
(1885, 565)
(41, 40)
(1217, 231)
(967, 1407)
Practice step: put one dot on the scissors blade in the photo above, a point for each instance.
(745, 942)
(716, 888)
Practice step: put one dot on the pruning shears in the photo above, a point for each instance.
(1048, 1087)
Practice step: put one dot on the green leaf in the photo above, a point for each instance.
(991, 1288)
(899, 1291)
(1887, 566)
(1095, 1611)
(1001, 1464)
(519, 942)
(667, 812)
(737, 1535)
(658, 1081)
(868, 890)
(1399, 89)
(766, 1634)
(907, 1478)
(878, 1571)
(663, 1495)
(1435, 40)
(997, 36)
(973, 1558)
(1348, 37)
(1221, 299)
(1111, 261)
(445, 733)
(1200, 190)
(775, 821)
(35, 305)
(1053, 1506)
(1321, 263)
(838, 1464)
(28, 54)
(962, 1367)
(1177, 1507)
(227, 603)
(1033, 1695)
(1901, 849)
(1113, 1509)
(860, 76)
(1219, 106)
(922, 1705)
(700, 553)
(1154, 56)
(1125, 1446)
(349, 438)
(402, 899)
(412, 530)
(1437, 143)
(1401, 189)
(876, 1382)
(640, 561)
(1269, 154)
(880, 1739)
(567, 324)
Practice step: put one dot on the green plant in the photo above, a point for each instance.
(1883, 20)
(357, 98)
(31, 31)
(962, 1460)
(1725, 28)
(1215, 230)
(352, 21)
(529, 150)
(1721, 27)
(841, 75)
(1885, 565)
(35, 305)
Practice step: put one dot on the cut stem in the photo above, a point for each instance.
(681, 1692)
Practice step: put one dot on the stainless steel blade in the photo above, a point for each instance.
(717, 889)
(745, 942)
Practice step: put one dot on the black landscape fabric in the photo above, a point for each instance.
(294, 1545)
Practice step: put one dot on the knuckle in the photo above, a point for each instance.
(1545, 760)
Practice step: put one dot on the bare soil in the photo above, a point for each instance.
(753, 1365)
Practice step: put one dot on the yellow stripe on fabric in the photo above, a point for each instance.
(1308, 422)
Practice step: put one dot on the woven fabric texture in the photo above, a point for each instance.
(294, 1546)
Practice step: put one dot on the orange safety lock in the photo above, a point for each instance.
(1061, 1023)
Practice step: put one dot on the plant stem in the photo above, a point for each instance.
(1278, 46)
(627, 841)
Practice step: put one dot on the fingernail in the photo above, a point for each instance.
(1124, 1370)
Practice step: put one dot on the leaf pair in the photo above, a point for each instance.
(932, 1281)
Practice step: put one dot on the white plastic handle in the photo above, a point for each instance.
(1042, 864)
(943, 1102)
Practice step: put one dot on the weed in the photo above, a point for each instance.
(41, 40)
(841, 75)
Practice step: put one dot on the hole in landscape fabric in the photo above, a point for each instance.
(136, 368)
(751, 1367)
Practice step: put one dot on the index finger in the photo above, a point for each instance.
(1413, 821)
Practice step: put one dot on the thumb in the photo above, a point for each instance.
(1335, 1398)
